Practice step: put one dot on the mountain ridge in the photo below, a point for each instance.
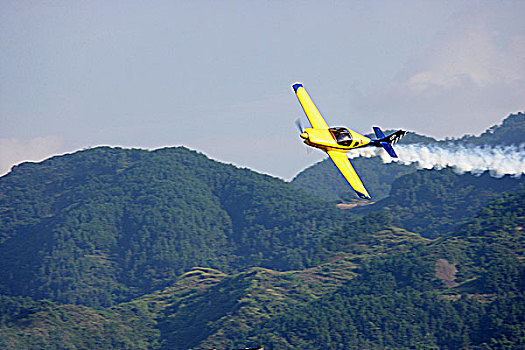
(167, 249)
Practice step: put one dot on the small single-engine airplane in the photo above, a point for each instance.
(338, 141)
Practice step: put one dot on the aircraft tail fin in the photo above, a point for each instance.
(387, 141)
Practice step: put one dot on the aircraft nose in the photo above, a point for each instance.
(304, 135)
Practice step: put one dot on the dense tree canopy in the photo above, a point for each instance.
(106, 224)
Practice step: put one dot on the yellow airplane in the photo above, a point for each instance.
(338, 141)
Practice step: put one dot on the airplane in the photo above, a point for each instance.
(337, 141)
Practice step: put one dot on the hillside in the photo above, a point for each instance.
(323, 180)
(436, 202)
(107, 224)
(398, 301)
(431, 202)
(203, 307)
(387, 288)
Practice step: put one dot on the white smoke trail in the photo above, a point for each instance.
(498, 160)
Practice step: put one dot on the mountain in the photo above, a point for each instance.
(107, 224)
(167, 249)
(322, 179)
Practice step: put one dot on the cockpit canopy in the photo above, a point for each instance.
(342, 136)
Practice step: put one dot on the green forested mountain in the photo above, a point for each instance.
(383, 289)
(431, 202)
(400, 300)
(435, 202)
(106, 224)
(119, 249)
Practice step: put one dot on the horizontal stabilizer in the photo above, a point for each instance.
(388, 148)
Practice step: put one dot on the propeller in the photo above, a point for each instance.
(301, 130)
(299, 125)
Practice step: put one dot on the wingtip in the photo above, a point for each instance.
(363, 196)
(297, 86)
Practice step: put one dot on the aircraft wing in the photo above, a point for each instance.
(342, 162)
(315, 118)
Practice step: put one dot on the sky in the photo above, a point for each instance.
(216, 76)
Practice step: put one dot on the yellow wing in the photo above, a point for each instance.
(309, 108)
(342, 162)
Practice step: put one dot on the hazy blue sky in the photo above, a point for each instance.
(215, 75)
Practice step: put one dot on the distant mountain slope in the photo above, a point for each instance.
(35, 325)
(322, 179)
(510, 132)
(105, 224)
(436, 202)
(494, 236)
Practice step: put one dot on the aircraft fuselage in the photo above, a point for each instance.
(336, 139)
